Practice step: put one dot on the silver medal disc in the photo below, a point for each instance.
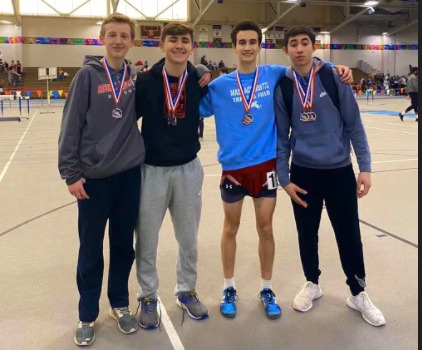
(247, 119)
(117, 113)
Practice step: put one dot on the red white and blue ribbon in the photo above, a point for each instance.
(173, 102)
(117, 93)
(306, 97)
(247, 103)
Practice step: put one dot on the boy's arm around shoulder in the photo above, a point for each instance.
(350, 114)
(140, 92)
(204, 75)
(283, 122)
(206, 107)
(73, 121)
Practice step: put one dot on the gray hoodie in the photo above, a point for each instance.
(93, 143)
(325, 142)
(412, 83)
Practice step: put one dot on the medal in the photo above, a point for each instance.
(173, 102)
(172, 120)
(116, 113)
(247, 119)
(306, 98)
(307, 117)
(247, 104)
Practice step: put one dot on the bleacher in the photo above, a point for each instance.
(30, 85)
(30, 82)
(359, 74)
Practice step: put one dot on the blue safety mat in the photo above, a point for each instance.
(384, 112)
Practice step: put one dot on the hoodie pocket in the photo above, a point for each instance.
(319, 149)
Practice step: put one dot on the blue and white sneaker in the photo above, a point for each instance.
(149, 317)
(228, 303)
(272, 309)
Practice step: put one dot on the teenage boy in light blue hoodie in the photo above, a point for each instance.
(321, 128)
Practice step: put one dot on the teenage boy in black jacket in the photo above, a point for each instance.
(167, 99)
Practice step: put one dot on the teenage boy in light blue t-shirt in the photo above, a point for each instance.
(243, 105)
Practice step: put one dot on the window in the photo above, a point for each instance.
(154, 9)
(6, 7)
(76, 8)
(166, 10)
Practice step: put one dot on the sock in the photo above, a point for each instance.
(403, 113)
(229, 282)
(266, 284)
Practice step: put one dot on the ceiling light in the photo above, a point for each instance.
(99, 23)
(385, 33)
(324, 32)
(371, 3)
(370, 10)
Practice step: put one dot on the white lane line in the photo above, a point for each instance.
(212, 175)
(401, 123)
(3, 173)
(396, 160)
(402, 132)
(171, 332)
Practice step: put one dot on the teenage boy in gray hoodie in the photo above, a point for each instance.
(100, 153)
(321, 128)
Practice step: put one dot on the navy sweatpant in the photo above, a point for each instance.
(116, 199)
(337, 188)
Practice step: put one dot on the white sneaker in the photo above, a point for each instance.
(309, 292)
(370, 312)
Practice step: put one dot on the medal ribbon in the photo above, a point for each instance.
(306, 98)
(117, 93)
(247, 104)
(173, 102)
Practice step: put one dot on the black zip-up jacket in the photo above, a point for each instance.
(168, 145)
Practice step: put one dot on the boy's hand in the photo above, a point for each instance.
(363, 184)
(293, 190)
(205, 80)
(77, 189)
(345, 73)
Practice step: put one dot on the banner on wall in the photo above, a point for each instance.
(202, 33)
(279, 35)
(150, 32)
(269, 38)
(217, 34)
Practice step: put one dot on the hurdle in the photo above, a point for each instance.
(370, 92)
(13, 118)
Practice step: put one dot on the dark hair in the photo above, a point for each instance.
(223, 70)
(414, 69)
(176, 28)
(297, 31)
(245, 25)
(118, 18)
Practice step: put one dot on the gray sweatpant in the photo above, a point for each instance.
(178, 188)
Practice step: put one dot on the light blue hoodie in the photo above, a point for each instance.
(242, 145)
(324, 143)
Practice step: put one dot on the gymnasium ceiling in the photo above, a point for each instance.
(392, 15)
